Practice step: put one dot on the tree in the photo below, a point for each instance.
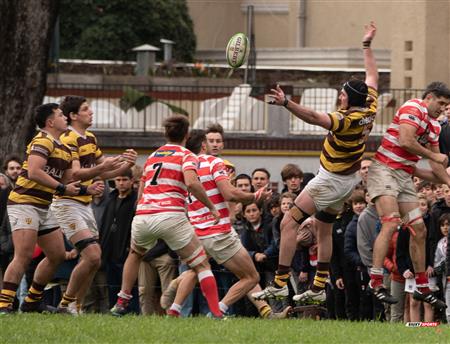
(109, 29)
(26, 28)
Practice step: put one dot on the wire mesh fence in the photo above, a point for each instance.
(239, 109)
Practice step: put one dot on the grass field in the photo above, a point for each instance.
(31, 328)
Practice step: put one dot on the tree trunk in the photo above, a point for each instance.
(26, 28)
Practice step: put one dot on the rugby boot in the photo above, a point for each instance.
(272, 292)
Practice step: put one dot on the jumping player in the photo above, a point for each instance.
(349, 128)
(413, 133)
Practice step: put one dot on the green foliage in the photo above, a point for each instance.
(133, 98)
(152, 329)
(109, 29)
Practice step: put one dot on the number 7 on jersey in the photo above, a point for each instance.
(157, 167)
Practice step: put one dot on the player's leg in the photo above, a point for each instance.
(185, 285)
(388, 211)
(385, 185)
(194, 255)
(413, 222)
(303, 208)
(52, 244)
(24, 241)
(264, 309)
(25, 221)
(324, 228)
(242, 266)
(169, 294)
(84, 272)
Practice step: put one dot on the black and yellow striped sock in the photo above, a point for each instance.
(321, 277)
(35, 293)
(265, 311)
(8, 294)
(66, 300)
(281, 280)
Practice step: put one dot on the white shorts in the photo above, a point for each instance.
(25, 216)
(383, 180)
(330, 189)
(74, 217)
(222, 247)
(174, 228)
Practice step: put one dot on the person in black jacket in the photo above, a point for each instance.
(339, 277)
(358, 301)
(115, 233)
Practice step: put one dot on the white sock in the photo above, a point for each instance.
(175, 307)
(124, 295)
(223, 307)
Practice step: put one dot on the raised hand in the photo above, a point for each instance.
(278, 96)
(129, 156)
(263, 194)
(370, 31)
(112, 163)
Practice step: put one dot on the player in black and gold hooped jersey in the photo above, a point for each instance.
(348, 130)
(74, 213)
(44, 172)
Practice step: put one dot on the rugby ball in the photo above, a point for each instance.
(238, 48)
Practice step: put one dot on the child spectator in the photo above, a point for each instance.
(439, 261)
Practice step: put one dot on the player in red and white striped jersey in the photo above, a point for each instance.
(169, 173)
(220, 240)
(412, 135)
(415, 114)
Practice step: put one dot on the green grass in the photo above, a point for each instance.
(31, 328)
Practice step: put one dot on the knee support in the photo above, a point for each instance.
(83, 243)
(326, 217)
(414, 217)
(298, 214)
(196, 258)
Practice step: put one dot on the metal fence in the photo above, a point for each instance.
(240, 109)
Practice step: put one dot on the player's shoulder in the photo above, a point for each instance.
(43, 139)
(90, 135)
(414, 107)
(69, 137)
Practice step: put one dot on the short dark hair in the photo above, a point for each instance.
(127, 173)
(444, 217)
(274, 202)
(43, 112)
(439, 89)
(261, 169)
(245, 176)
(425, 183)
(215, 128)
(195, 140)
(289, 171)
(71, 104)
(10, 158)
(259, 204)
(176, 128)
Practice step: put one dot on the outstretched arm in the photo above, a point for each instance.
(369, 60)
(302, 112)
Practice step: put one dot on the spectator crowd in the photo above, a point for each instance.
(258, 225)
